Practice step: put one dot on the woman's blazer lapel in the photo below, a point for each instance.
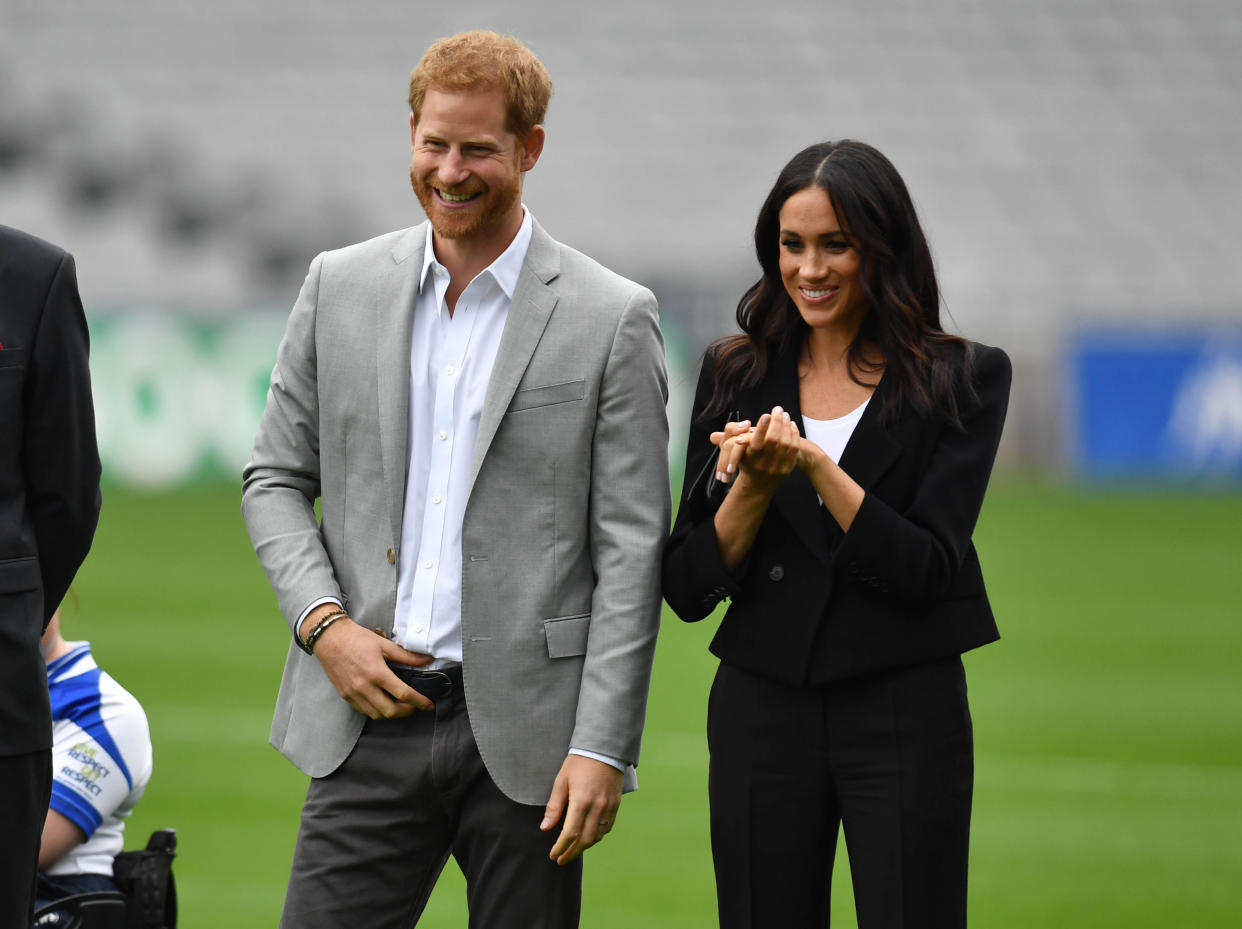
(872, 449)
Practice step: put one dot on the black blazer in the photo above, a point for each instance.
(812, 604)
(49, 470)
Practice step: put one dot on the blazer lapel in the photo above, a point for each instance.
(871, 449)
(396, 291)
(529, 310)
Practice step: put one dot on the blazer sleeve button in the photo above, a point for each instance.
(777, 572)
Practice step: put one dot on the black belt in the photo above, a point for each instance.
(434, 683)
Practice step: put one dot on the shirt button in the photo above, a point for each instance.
(392, 556)
(418, 628)
(443, 435)
(449, 370)
(427, 563)
(435, 499)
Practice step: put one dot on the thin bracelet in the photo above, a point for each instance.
(298, 639)
(313, 636)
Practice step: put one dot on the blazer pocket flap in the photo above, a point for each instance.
(18, 574)
(11, 357)
(530, 397)
(567, 635)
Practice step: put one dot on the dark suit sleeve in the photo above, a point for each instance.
(695, 578)
(60, 458)
(916, 553)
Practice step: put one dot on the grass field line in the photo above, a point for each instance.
(1056, 773)
(1109, 777)
(208, 725)
(189, 723)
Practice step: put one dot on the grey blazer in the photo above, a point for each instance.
(568, 505)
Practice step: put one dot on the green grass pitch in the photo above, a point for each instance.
(1108, 719)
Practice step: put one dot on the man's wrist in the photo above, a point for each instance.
(317, 608)
(316, 623)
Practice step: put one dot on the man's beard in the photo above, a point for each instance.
(463, 224)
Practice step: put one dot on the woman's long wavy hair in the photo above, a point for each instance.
(898, 283)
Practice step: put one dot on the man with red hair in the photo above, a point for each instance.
(479, 411)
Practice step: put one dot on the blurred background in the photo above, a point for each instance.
(1076, 167)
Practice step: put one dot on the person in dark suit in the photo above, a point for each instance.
(838, 456)
(49, 506)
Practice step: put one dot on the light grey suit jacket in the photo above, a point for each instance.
(567, 512)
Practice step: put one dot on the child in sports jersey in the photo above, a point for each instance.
(101, 761)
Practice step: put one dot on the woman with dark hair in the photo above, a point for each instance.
(839, 452)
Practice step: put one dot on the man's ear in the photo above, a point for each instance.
(532, 147)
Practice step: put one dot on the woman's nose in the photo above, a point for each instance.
(815, 265)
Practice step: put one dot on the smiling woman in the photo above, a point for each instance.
(839, 519)
(819, 264)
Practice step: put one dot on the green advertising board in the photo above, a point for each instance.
(178, 398)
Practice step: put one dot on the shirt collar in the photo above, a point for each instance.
(507, 267)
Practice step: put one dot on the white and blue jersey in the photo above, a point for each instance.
(101, 758)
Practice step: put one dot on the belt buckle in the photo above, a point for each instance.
(432, 684)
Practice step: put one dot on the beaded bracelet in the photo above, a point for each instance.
(313, 636)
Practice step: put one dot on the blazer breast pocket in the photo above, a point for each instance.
(532, 397)
(567, 635)
(19, 574)
(11, 357)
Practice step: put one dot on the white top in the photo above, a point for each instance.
(832, 435)
(101, 758)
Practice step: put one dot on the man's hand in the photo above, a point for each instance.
(354, 660)
(588, 793)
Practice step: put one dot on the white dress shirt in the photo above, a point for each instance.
(451, 360)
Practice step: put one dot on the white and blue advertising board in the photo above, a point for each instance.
(1157, 404)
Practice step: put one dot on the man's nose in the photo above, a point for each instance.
(453, 168)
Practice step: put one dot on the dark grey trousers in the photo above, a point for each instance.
(376, 833)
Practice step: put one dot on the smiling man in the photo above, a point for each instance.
(480, 412)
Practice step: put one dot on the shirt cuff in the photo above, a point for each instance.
(606, 759)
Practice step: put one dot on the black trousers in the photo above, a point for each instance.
(889, 757)
(376, 833)
(25, 789)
